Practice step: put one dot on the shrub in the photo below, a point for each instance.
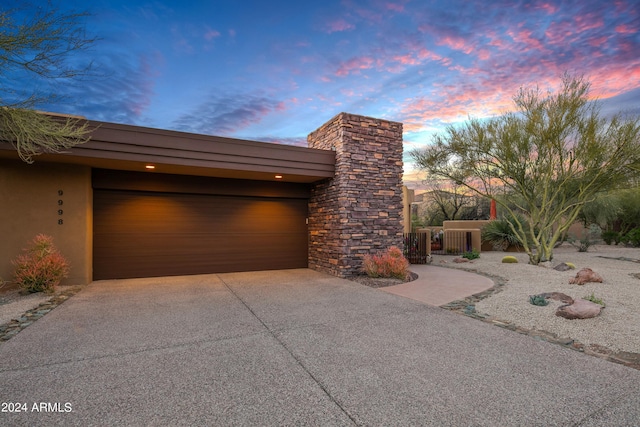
(509, 260)
(611, 237)
(538, 300)
(474, 254)
(499, 234)
(391, 263)
(594, 299)
(589, 238)
(632, 238)
(41, 267)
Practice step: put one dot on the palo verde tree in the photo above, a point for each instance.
(549, 158)
(36, 46)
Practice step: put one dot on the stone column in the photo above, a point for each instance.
(359, 210)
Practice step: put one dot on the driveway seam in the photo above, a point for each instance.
(298, 361)
(133, 352)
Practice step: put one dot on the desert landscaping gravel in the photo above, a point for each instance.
(618, 325)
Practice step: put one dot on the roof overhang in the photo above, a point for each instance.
(126, 147)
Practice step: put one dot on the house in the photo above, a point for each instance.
(141, 202)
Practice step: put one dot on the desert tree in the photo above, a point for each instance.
(446, 200)
(544, 160)
(448, 197)
(37, 45)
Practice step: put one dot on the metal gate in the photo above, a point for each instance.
(452, 242)
(416, 248)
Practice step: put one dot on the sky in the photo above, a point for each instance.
(276, 70)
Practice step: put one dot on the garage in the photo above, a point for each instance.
(148, 225)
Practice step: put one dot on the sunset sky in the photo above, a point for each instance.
(276, 70)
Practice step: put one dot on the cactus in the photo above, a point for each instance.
(509, 260)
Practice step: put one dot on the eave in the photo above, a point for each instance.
(126, 147)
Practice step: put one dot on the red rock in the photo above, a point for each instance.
(580, 309)
(557, 296)
(460, 260)
(584, 276)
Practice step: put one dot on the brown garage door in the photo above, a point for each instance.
(146, 234)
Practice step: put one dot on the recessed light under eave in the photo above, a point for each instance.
(150, 167)
(278, 177)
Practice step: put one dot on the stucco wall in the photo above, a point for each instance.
(30, 201)
(359, 211)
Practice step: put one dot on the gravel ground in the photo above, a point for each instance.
(618, 325)
(14, 303)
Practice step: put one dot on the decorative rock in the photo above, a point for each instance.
(557, 296)
(562, 267)
(460, 260)
(586, 275)
(580, 309)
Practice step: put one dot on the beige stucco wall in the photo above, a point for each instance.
(464, 225)
(408, 197)
(29, 202)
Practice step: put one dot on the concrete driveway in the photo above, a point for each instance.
(293, 347)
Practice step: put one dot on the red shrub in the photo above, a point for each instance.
(41, 267)
(391, 263)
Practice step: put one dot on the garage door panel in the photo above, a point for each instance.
(138, 234)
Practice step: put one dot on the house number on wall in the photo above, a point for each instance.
(60, 203)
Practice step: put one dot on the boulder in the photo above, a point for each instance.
(586, 275)
(460, 260)
(580, 309)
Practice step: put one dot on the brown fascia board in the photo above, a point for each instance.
(134, 143)
(127, 147)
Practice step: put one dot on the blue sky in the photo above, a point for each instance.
(276, 70)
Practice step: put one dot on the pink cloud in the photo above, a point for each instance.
(559, 33)
(407, 59)
(423, 53)
(484, 54)
(625, 29)
(355, 65)
(395, 7)
(615, 79)
(211, 34)
(524, 37)
(588, 22)
(148, 67)
(456, 43)
(338, 26)
(496, 41)
(548, 8)
(598, 41)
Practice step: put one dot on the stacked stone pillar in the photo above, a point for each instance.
(359, 211)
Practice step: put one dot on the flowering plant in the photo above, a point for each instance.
(40, 267)
(390, 263)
